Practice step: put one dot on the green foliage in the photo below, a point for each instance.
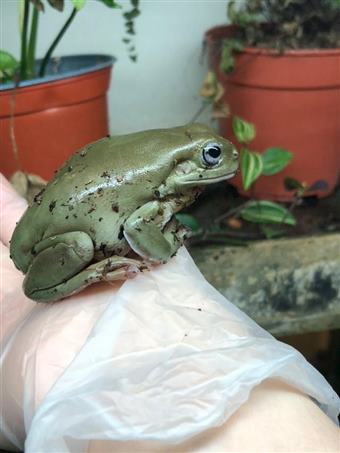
(110, 3)
(78, 4)
(253, 164)
(292, 185)
(264, 211)
(270, 231)
(189, 221)
(130, 17)
(241, 17)
(230, 47)
(282, 24)
(274, 160)
(251, 167)
(8, 66)
(244, 132)
(300, 188)
(29, 13)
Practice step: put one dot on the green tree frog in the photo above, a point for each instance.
(108, 213)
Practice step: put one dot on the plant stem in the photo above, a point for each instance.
(231, 212)
(203, 107)
(32, 43)
(54, 44)
(23, 57)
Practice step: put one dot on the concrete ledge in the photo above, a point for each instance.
(287, 286)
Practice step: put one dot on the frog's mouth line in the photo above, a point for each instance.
(213, 179)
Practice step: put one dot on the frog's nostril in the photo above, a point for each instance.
(235, 154)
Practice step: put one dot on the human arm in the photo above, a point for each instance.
(275, 419)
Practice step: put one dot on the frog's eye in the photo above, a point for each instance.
(211, 154)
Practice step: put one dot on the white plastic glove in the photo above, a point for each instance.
(162, 357)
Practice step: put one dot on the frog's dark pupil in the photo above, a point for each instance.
(211, 154)
(214, 152)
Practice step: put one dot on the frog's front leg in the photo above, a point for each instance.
(61, 267)
(153, 233)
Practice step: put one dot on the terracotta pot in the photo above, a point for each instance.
(47, 119)
(294, 101)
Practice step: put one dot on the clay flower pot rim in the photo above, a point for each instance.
(60, 68)
(271, 52)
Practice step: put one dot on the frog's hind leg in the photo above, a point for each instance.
(56, 260)
(109, 269)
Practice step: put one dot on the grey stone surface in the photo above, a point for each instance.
(288, 286)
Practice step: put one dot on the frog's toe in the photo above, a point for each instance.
(183, 233)
(127, 272)
(132, 271)
(124, 273)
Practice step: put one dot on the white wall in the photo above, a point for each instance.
(161, 89)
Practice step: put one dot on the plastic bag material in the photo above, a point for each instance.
(162, 357)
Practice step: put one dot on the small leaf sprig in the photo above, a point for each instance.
(253, 165)
(272, 161)
(130, 17)
(12, 69)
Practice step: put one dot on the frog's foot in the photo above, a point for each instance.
(110, 269)
(117, 268)
(124, 273)
(182, 232)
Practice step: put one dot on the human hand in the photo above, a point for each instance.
(41, 333)
(14, 304)
(159, 358)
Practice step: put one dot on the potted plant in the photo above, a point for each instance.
(53, 106)
(279, 63)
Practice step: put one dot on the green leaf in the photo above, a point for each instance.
(227, 63)
(229, 48)
(240, 17)
(244, 132)
(57, 4)
(271, 232)
(292, 184)
(8, 65)
(274, 160)
(131, 15)
(251, 167)
(231, 11)
(78, 4)
(188, 221)
(110, 3)
(264, 211)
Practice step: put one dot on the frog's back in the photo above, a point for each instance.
(84, 177)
